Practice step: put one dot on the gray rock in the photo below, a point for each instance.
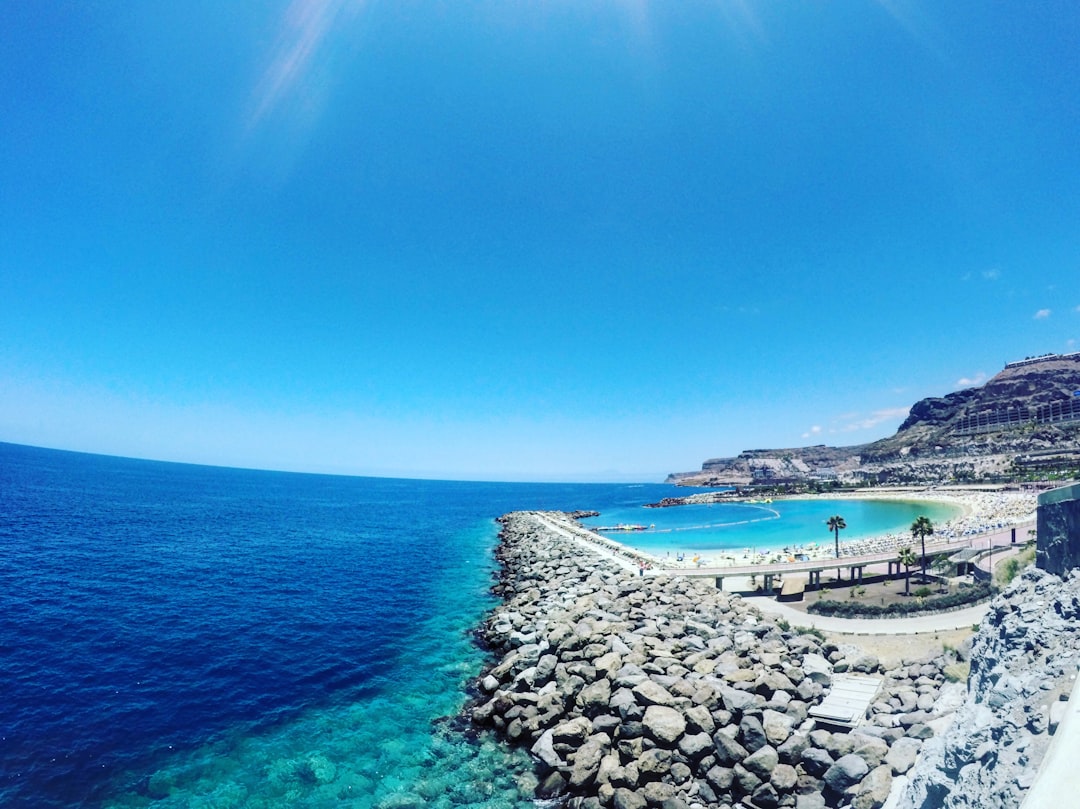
(621, 700)
(695, 746)
(625, 799)
(552, 785)
(839, 744)
(784, 777)
(656, 792)
(544, 750)
(762, 762)
(627, 776)
(920, 731)
(651, 693)
(874, 789)
(777, 726)
(699, 719)
(545, 667)
(728, 751)
(867, 664)
(675, 803)
(752, 733)
(573, 732)
(720, 778)
(586, 764)
(791, 751)
(817, 668)
(902, 755)
(926, 702)
(746, 780)
(609, 764)
(737, 701)
(594, 698)
(663, 724)
(871, 750)
(605, 723)
(816, 761)
(766, 796)
(653, 764)
(847, 771)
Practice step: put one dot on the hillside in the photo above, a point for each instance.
(1025, 419)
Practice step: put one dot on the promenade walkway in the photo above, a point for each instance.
(855, 565)
(909, 625)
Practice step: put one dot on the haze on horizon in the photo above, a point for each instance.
(524, 241)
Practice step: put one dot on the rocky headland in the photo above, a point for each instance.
(1023, 667)
(636, 691)
(1024, 421)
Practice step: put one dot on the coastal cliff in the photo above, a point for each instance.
(1024, 419)
(636, 691)
(1023, 664)
(1023, 669)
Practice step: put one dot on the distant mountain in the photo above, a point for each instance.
(1026, 417)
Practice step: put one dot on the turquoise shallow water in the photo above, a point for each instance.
(732, 528)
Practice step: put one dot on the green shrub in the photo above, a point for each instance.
(968, 594)
(1011, 567)
(957, 672)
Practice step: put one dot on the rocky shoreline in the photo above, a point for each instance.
(636, 691)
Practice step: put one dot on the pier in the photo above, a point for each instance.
(856, 565)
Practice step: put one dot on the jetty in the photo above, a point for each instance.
(636, 691)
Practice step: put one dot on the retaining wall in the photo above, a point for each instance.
(1058, 544)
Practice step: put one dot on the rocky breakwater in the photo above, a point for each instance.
(1023, 665)
(638, 691)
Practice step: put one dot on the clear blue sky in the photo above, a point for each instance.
(524, 240)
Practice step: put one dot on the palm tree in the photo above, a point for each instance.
(835, 524)
(921, 529)
(907, 559)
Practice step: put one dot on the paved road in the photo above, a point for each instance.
(910, 625)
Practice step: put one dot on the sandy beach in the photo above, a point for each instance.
(983, 513)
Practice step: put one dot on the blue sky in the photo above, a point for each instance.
(524, 240)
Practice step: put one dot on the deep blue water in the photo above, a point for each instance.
(185, 636)
(176, 636)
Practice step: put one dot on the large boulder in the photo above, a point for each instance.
(762, 762)
(777, 726)
(652, 693)
(594, 698)
(846, 772)
(663, 724)
(874, 789)
(902, 754)
(728, 751)
(572, 732)
(544, 749)
(626, 799)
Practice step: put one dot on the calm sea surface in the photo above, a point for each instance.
(734, 528)
(185, 636)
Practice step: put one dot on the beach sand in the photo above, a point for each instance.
(983, 514)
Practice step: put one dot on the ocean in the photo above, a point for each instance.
(175, 635)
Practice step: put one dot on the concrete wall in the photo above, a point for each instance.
(1058, 547)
